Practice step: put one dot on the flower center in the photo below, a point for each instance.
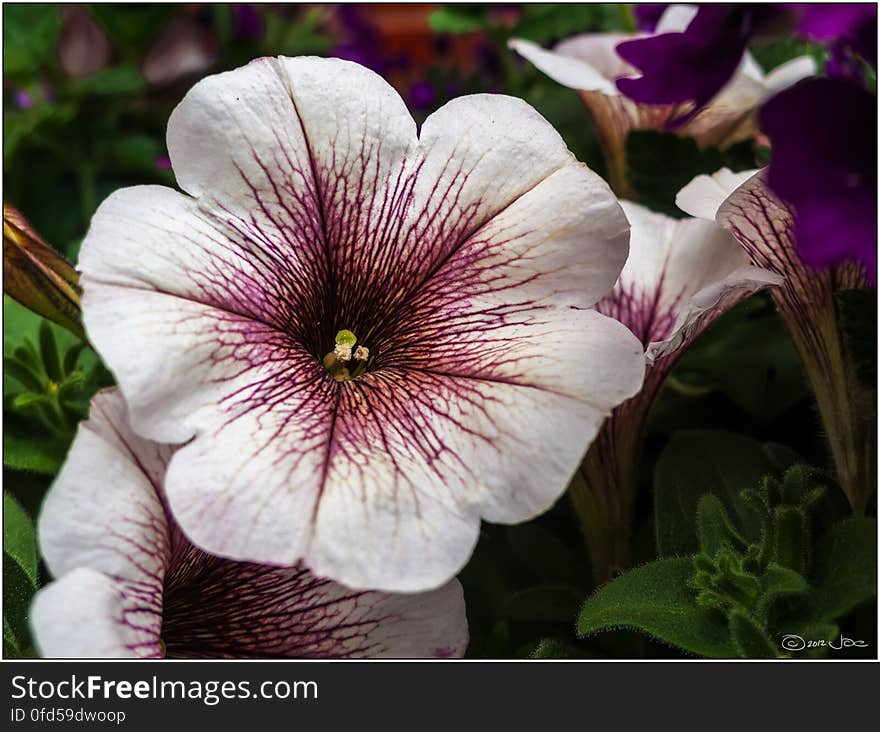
(346, 361)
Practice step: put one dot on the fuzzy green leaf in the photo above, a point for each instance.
(844, 572)
(697, 462)
(19, 538)
(656, 599)
(18, 591)
(749, 638)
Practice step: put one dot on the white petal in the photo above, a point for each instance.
(676, 19)
(102, 511)
(461, 253)
(494, 428)
(703, 196)
(788, 74)
(681, 274)
(578, 63)
(86, 614)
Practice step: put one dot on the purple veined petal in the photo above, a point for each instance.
(86, 614)
(681, 275)
(459, 257)
(764, 227)
(130, 584)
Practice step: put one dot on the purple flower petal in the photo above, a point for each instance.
(764, 227)
(128, 577)
(824, 164)
(692, 66)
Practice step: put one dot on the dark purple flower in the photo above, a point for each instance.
(824, 165)
(360, 40)
(422, 95)
(647, 15)
(851, 31)
(694, 65)
(248, 21)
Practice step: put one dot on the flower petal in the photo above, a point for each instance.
(463, 250)
(109, 520)
(86, 614)
(703, 196)
(217, 608)
(586, 62)
(681, 275)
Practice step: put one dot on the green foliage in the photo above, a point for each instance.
(659, 164)
(30, 32)
(656, 598)
(458, 18)
(699, 461)
(749, 356)
(19, 540)
(49, 377)
(118, 81)
(752, 581)
(18, 591)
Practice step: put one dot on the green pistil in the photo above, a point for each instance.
(345, 338)
(339, 361)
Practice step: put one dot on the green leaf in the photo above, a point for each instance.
(844, 572)
(49, 353)
(547, 22)
(19, 538)
(748, 355)
(554, 648)
(714, 529)
(30, 33)
(790, 550)
(457, 19)
(18, 591)
(33, 453)
(133, 153)
(696, 462)
(659, 164)
(749, 638)
(656, 599)
(115, 81)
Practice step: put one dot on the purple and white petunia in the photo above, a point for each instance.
(130, 584)
(368, 338)
(764, 226)
(681, 275)
(591, 64)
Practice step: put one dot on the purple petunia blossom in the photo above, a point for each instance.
(681, 275)
(694, 65)
(248, 21)
(764, 226)
(824, 165)
(590, 64)
(130, 584)
(647, 15)
(368, 338)
(849, 28)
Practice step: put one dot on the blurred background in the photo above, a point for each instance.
(87, 91)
